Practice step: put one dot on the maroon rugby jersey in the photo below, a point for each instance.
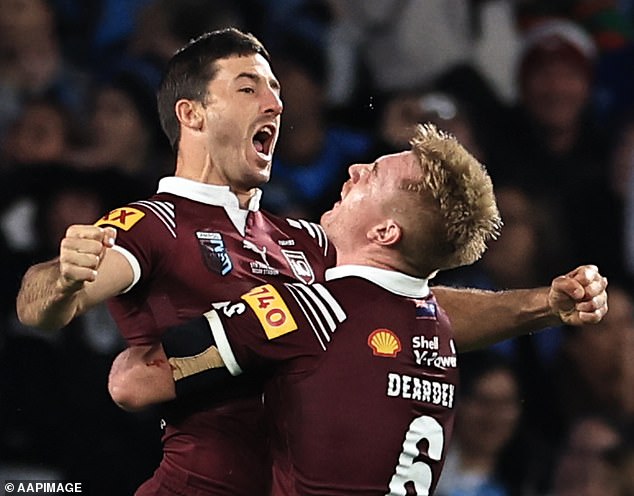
(362, 399)
(186, 244)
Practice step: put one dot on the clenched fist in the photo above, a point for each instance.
(579, 297)
(81, 253)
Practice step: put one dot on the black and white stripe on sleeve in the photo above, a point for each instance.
(321, 309)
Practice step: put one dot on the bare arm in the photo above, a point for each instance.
(141, 376)
(87, 272)
(187, 363)
(481, 318)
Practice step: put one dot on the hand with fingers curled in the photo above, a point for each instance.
(580, 296)
(81, 251)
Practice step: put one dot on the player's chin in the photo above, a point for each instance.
(326, 219)
(261, 172)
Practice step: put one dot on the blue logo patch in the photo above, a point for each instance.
(214, 253)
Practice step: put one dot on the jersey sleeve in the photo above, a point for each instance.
(270, 324)
(145, 238)
(143, 233)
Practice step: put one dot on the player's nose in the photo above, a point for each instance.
(355, 171)
(273, 103)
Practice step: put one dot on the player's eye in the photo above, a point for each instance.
(248, 90)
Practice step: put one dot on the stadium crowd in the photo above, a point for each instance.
(539, 91)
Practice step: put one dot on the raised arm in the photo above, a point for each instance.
(481, 318)
(86, 272)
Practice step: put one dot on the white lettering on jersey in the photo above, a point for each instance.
(434, 359)
(415, 388)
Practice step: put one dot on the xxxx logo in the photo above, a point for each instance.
(123, 218)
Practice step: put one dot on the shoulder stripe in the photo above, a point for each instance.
(307, 225)
(314, 230)
(164, 211)
(320, 308)
(294, 223)
(163, 208)
(334, 304)
(168, 210)
(316, 302)
(321, 334)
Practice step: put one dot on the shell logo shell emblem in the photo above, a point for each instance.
(384, 343)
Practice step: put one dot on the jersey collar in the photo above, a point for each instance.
(395, 282)
(212, 194)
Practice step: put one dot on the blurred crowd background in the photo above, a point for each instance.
(540, 91)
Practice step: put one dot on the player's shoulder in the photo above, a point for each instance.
(304, 231)
(155, 214)
(320, 305)
(283, 308)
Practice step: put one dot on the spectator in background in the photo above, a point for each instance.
(312, 155)
(402, 110)
(125, 134)
(582, 467)
(528, 249)
(613, 208)
(621, 461)
(41, 133)
(124, 158)
(37, 409)
(594, 370)
(458, 46)
(95, 32)
(37, 140)
(622, 183)
(32, 62)
(483, 454)
(164, 26)
(611, 25)
(552, 135)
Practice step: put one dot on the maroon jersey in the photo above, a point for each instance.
(185, 245)
(365, 373)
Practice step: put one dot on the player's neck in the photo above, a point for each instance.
(367, 257)
(199, 168)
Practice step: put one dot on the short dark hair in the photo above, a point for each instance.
(192, 67)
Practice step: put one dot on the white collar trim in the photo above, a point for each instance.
(395, 282)
(212, 194)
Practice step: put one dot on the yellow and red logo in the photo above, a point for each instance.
(271, 311)
(384, 343)
(123, 218)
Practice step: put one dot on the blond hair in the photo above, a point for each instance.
(462, 199)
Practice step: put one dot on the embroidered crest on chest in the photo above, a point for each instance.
(214, 252)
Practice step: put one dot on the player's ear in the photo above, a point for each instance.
(189, 113)
(386, 233)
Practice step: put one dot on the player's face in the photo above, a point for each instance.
(368, 197)
(242, 113)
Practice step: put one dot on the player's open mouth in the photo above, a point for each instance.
(263, 140)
